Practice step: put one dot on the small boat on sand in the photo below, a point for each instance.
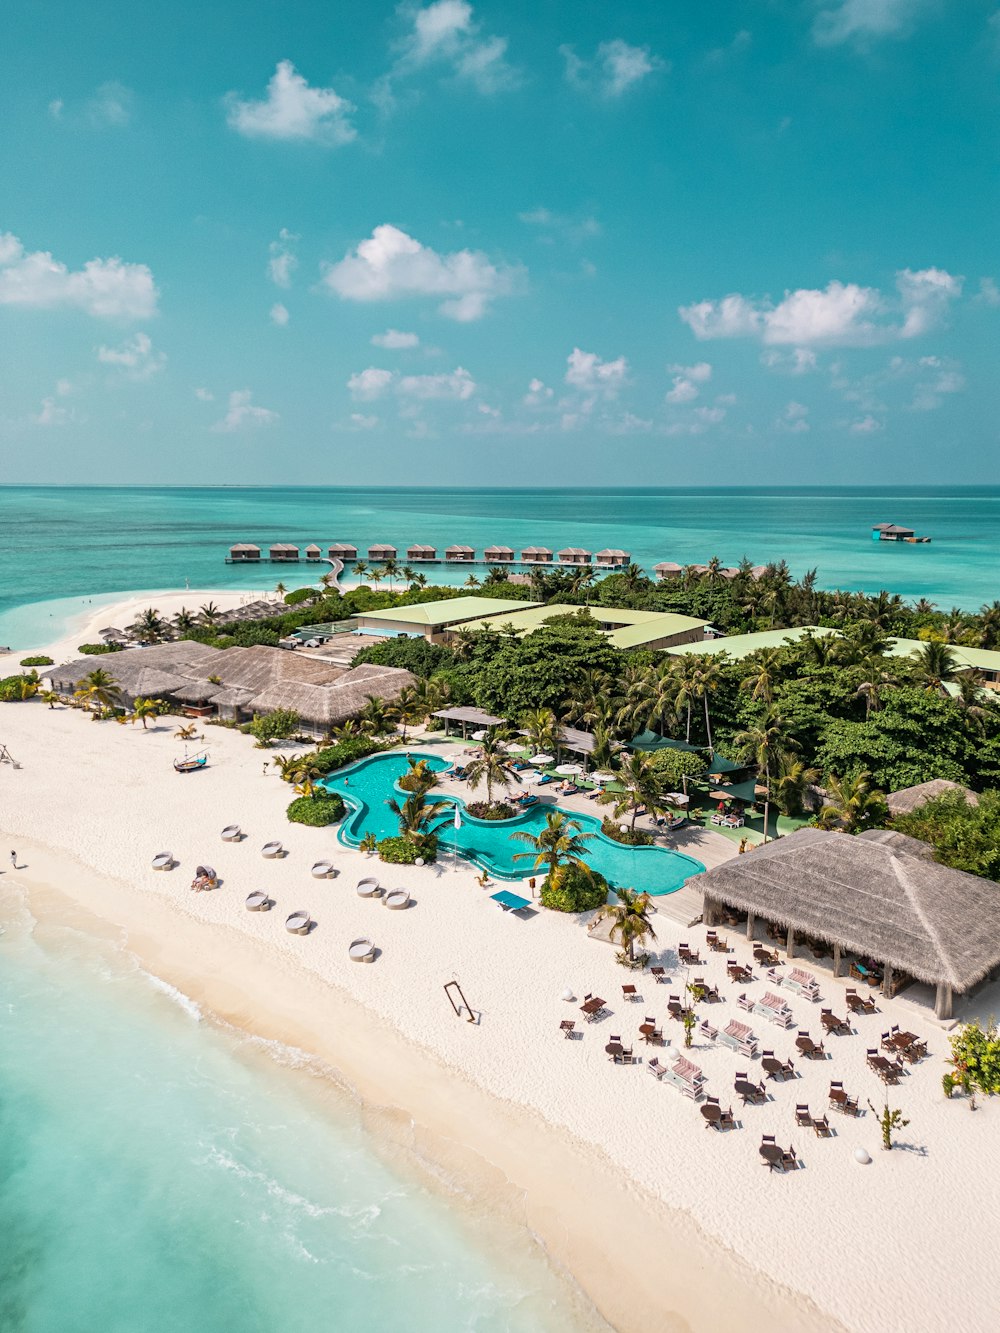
(192, 764)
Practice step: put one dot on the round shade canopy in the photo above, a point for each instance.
(480, 735)
(530, 779)
(541, 758)
(604, 777)
(678, 798)
(569, 770)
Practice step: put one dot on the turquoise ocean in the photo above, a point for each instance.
(60, 545)
(162, 1174)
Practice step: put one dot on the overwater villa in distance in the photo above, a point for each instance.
(342, 551)
(499, 555)
(892, 532)
(284, 553)
(612, 559)
(459, 555)
(243, 553)
(421, 555)
(575, 555)
(536, 555)
(381, 551)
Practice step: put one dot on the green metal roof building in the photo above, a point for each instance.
(625, 629)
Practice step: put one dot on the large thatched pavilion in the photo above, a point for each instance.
(873, 896)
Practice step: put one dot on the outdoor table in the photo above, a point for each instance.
(649, 1033)
(745, 1089)
(629, 992)
(902, 1040)
(771, 1153)
(614, 1049)
(711, 1112)
(592, 1007)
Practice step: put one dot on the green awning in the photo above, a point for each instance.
(738, 791)
(650, 741)
(720, 764)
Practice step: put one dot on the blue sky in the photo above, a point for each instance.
(570, 243)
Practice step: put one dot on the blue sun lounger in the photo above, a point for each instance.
(510, 902)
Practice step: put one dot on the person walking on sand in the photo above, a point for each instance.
(13, 859)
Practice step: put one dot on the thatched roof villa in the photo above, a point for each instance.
(499, 555)
(574, 555)
(876, 897)
(242, 552)
(421, 554)
(611, 558)
(536, 555)
(239, 683)
(381, 551)
(459, 554)
(342, 551)
(284, 552)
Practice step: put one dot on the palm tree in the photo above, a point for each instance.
(376, 576)
(496, 574)
(361, 568)
(374, 717)
(492, 765)
(407, 574)
(650, 698)
(303, 771)
(794, 777)
(705, 681)
(286, 765)
(852, 804)
(686, 678)
(406, 708)
(209, 613)
(590, 704)
(149, 625)
(420, 779)
(581, 579)
(562, 841)
(186, 732)
(390, 569)
(184, 620)
(631, 922)
(280, 589)
(935, 666)
(463, 642)
(471, 582)
(543, 730)
(420, 579)
(763, 745)
(819, 648)
(346, 730)
(989, 617)
(861, 641)
(970, 698)
(143, 709)
(416, 818)
(49, 697)
(98, 689)
(29, 684)
(761, 683)
(876, 678)
(641, 786)
(632, 578)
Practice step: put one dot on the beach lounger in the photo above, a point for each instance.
(686, 1077)
(738, 1037)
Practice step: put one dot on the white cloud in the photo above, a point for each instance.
(457, 385)
(561, 226)
(862, 20)
(390, 265)
(841, 315)
(799, 361)
(204, 395)
(367, 385)
(243, 412)
(588, 372)
(292, 110)
(866, 426)
(700, 373)
(628, 424)
(360, 422)
(279, 315)
(395, 341)
(615, 68)
(282, 262)
(64, 387)
(56, 108)
(989, 292)
(104, 288)
(135, 357)
(942, 378)
(111, 106)
(794, 420)
(445, 33)
(686, 381)
(684, 391)
(538, 394)
(52, 413)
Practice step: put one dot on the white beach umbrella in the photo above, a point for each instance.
(530, 779)
(604, 777)
(512, 746)
(569, 770)
(541, 759)
(480, 735)
(678, 798)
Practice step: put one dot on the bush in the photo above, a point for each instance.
(498, 810)
(37, 661)
(401, 852)
(574, 888)
(416, 655)
(276, 726)
(630, 837)
(300, 595)
(10, 689)
(332, 757)
(316, 810)
(96, 649)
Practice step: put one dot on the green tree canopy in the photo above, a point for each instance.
(542, 669)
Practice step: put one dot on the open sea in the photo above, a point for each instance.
(60, 545)
(160, 1174)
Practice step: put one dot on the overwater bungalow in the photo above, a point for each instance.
(417, 555)
(284, 553)
(879, 896)
(498, 555)
(342, 551)
(244, 552)
(313, 552)
(667, 569)
(575, 555)
(458, 555)
(536, 555)
(381, 552)
(611, 559)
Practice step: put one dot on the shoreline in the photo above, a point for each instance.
(504, 1158)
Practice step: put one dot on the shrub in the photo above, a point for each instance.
(401, 852)
(96, 649)
(331, 757)
(498, 810)
(10, 689)
(37, 661)
(299, 595)
(317, 810)
(630, 837)
(574, 888)
(276, 726)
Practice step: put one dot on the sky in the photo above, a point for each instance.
(561, 243)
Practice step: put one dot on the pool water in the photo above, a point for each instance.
(367, 785)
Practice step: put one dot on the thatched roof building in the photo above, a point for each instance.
(342, 551)
(907, 799)
(574, 555)
(872, 897)
(241, 682)
(244, 551)
(498, 555)
(284, 551)
(612, 558)
(536, 555)
(458, 554)
(668, 569)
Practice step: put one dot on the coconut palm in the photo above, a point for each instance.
(186, 732)
(142, 709)
(280, 589)
(50, 697)
(794, 778)
(376, 576)
(542, 730)
(420, 779)
(852, 804)
(632, 578)
(185, 620)
(374, 717)
(390, 569)
(764, 676)
(704, 682)
(420, 579)
(561, 841)
(346, 731)
(361, 568)
(417, 818)
(209, 613)
(407, 574)
(763, 745)
(876, 679)
(149, 625)
(970, 698)
(286, 765)
(935, 666)
(590, 704)
(651, 695)
(685, 673)
(632, 925)
(97, 690)
(303, 772)
(491, 765)
(406, 709)
(471, 582)
(641, 785)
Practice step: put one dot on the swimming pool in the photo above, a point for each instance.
(368, 784)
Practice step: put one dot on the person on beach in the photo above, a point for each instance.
(13, 859)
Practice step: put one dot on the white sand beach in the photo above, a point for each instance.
(663, 1222)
